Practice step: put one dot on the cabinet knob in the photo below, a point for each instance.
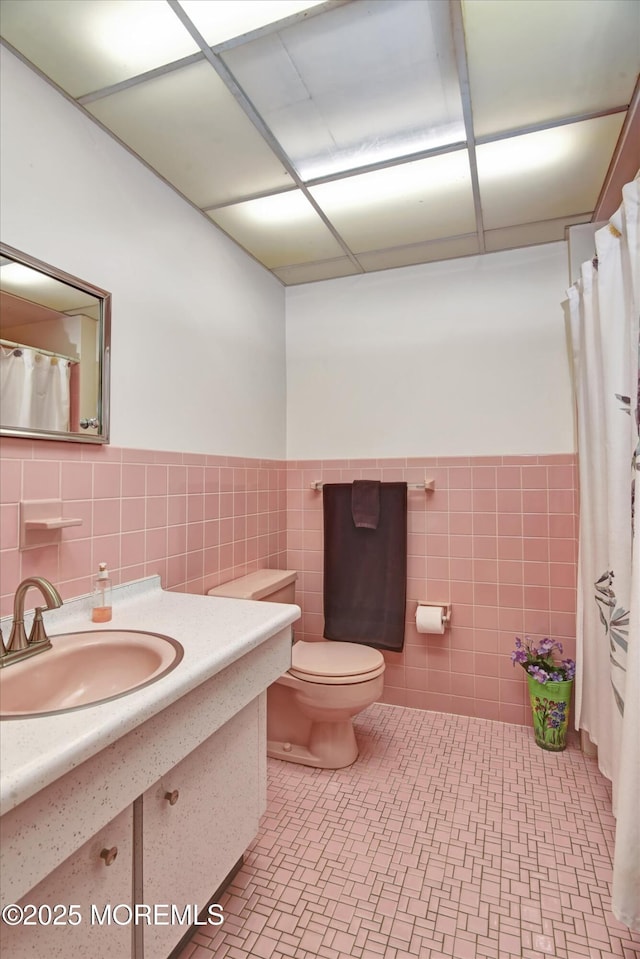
(109, 855)
(172, 797)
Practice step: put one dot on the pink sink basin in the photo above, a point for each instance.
(84, 669)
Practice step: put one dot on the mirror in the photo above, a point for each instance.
(55, 340)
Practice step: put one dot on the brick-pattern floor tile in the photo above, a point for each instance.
(449, 838)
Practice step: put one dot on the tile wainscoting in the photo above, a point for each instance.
(195, 520)
(497, 538)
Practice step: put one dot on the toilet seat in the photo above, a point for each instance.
(334, 663)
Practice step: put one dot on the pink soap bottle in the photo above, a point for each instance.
(101, 611)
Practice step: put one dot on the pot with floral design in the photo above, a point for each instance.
(550, 685)
(550, 704)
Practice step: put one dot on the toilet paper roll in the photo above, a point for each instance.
(430, 619)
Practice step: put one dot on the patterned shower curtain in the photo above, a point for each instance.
(604, 309)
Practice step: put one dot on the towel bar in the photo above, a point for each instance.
(427, 486)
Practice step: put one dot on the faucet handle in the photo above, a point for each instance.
(38, 634)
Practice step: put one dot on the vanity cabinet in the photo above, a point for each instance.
(196, 819)
(65, 913)
(187, 833)
(206, 751)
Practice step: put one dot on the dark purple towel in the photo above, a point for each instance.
(365, 570)
(365, 503)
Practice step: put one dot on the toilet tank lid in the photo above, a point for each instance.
(255, 585)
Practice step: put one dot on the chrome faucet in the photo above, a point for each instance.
(18, 646)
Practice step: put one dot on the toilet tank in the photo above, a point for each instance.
(271, 585)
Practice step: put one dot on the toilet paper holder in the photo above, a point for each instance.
(445, 607)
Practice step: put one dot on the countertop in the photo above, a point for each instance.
(214, 632)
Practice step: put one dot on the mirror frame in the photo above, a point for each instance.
(104, 350)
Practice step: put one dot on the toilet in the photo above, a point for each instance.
(311, 707)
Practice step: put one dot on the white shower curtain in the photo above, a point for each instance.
(604, 309)
(34, 390)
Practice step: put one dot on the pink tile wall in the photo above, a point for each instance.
(195, 520)
(497, 539)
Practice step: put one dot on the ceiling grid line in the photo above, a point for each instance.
(256, 119)
(344, 137)
(460, 47)
(130, 82)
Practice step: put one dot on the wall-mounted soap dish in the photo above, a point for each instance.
(41, 522)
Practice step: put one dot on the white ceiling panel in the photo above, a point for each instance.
(348, 136)
(190, 129)
(312, 272)
(279, 230)
(221, 20)
(24, 282)
(362, 83)
(84, 45)
(529, 234)
(531, 61)
(545, 175)
(419, 253)
(403, 204)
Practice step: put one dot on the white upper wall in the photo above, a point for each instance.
(465, 357)
(198, 331)
(462, 358)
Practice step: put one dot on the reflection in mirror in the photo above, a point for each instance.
(54, 352)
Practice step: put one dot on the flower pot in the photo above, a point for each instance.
(550, 711)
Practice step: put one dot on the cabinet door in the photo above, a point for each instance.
(83, 908)
(197, 822)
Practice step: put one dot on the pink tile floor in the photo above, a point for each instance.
(449, 837)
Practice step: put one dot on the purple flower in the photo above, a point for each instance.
(539, 660)
(545, 647)
(538, 673)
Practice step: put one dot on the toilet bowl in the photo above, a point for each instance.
(311, 707)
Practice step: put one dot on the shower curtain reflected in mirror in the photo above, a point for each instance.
(34, 389)
(604, 308)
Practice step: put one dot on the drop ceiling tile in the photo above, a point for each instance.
(529, 234)
(219, 21)
(545, 175)
(281, 230)
(312, 272)
(419, 253)
(410, 203)
(361, 83)
(85, 46)
(189, 128)
(350, 85)
(34, 286)
(536, 60)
